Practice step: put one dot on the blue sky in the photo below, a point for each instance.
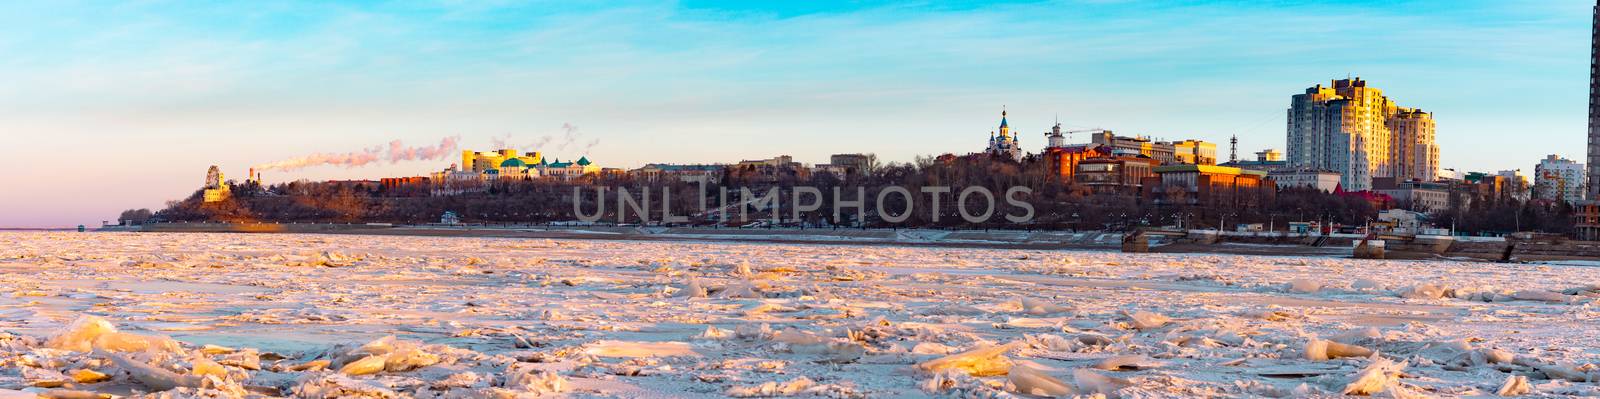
(112, 105)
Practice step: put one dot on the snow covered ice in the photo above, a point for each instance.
(326, 316)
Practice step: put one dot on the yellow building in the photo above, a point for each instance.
(1195, 152)
(480, 162)
(1416, 156)
(1355, 130)
(216, 190)
(566, 171)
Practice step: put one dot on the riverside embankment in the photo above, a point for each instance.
(1516, 248)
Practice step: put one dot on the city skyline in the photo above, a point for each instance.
(171, 92)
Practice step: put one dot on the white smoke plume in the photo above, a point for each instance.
(499, 142)
(540, 142)
(507, 142)
(393, 152)
(571, 139)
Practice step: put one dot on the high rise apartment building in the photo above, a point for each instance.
(1356, 131)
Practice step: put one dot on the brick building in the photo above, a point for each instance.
(1205, 185)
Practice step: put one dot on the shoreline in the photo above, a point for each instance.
(1509, 249)
(992, 239)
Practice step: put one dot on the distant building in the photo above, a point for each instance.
(566, 171)
(1356, 131)
(1419, 196)
(1055, 138)
(1122, 145)
(1203, 185)
(1266, 161)
(453, 174)
(857, 163)
(516, 168)
(842, 165)
(1004, 145)
(483, 161)
(1322, 180)
(1063, 160)
(1195, 152)
(508, 164)
(1122, 175)
(781, 161)
(1586, 220)
(711, 173)
(395, 182)
(1402, 221)
(770, 170)
(1594, 106)
(1415, 155)
(1484, 185)
(1557, 178)
(1517, 185)
(216, 189)
(1451, 174)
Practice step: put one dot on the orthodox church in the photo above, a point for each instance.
(1004, 145)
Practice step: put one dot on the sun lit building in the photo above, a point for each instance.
(1356, 131)
(517, 169)
(1195, 152)
(483, 161)
(1210, 186)
(1004, 145)
(1138, 145)
(1321, 180)
(1517, 184)
(216, 190)
(568, 170)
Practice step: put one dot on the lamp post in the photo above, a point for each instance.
(1518, 217)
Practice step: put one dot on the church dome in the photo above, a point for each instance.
(513, 163)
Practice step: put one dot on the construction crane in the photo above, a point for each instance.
(1058, 138)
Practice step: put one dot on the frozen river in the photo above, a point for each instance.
(267, 315)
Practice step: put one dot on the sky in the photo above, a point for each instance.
(107, 106)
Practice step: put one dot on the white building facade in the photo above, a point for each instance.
(1557, 178)
(1322, 180)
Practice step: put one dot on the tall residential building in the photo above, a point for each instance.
(1358, 132)
(1415, 155)
(1594, 105)
(1557, 178)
